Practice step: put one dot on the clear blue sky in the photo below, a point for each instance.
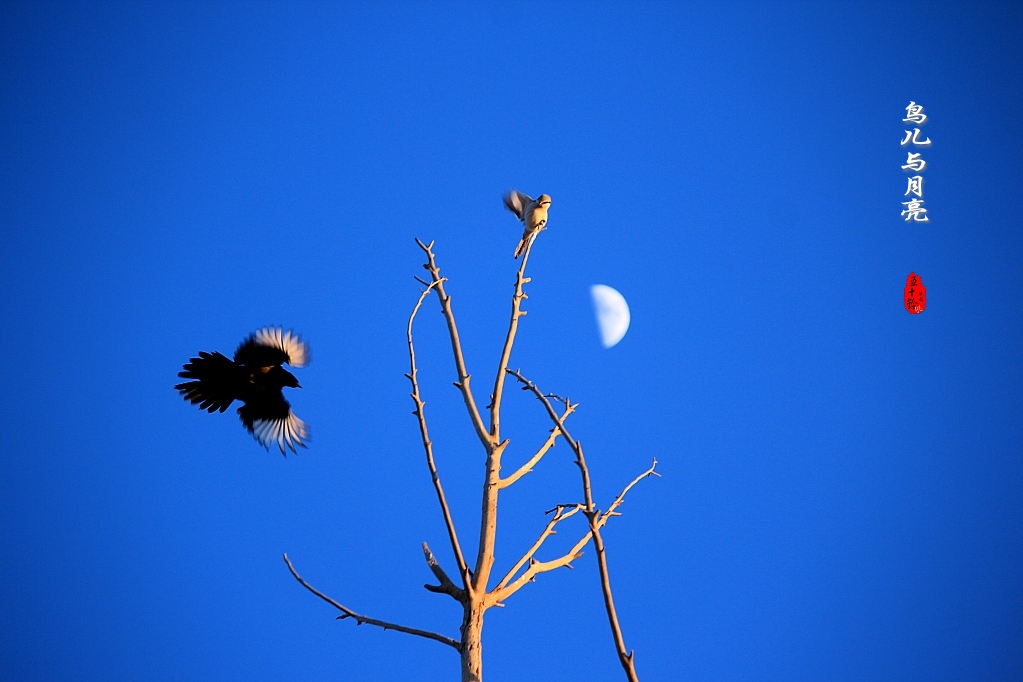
(843, 482)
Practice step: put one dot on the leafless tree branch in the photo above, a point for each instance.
(528, 385)
(456, 347)
(463, 569)
(446, 586)
(360, 619)
(535, 568)
(509, 341)
(505, 590)
(493, 447)
(594, 516)
(548, 444)
(491, 440)
(560, 513)
(611, 511)
(492, 485)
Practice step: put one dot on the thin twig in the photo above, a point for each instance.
(611, 511)
(559, 515)
(594, 517)
(528, 466)
(528, 385)
(360, 619)
(463, 569)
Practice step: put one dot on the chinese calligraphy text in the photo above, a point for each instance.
(915, 211)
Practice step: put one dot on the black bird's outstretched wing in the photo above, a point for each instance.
(271, 346)
(268, 417)
(216, 381)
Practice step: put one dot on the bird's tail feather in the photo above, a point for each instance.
(521, 247)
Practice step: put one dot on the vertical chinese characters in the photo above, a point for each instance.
(915, 210)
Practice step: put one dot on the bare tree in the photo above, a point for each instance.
(471, 589)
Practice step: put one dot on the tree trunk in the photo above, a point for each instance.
(472, 645)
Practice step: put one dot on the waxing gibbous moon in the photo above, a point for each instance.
(612, 314)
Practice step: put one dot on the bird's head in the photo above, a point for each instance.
(544, 200)
(279, 376)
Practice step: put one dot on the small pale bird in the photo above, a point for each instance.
(533, 214)
(256, 378)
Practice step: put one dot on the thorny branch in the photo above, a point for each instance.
(463, 570)
(594, 516)
(360, 619)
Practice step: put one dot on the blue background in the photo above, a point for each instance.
(842, 481)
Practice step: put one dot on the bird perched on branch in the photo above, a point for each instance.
(256, 378)
(533, 214)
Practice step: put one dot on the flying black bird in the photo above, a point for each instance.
(256, 378)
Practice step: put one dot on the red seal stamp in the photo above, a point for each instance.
(915, 296)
